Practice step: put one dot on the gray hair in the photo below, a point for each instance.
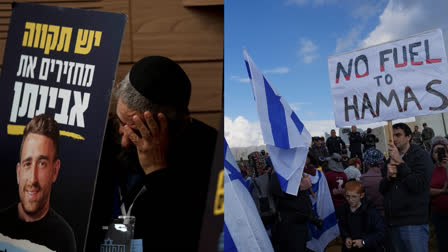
(135, 101)
(130, 96)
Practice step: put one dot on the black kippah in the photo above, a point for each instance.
(161, 81)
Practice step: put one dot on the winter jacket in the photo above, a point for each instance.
(406, 197)
(355, 139)
(334, 145)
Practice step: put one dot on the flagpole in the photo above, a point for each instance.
(390, 135)
(312, 193)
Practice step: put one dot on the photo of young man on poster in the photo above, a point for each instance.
(32, 218)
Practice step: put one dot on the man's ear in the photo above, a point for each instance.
(18, 171)
(57, 165)
(409, 138)
(362, 195)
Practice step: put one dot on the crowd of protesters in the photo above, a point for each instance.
(382, 204)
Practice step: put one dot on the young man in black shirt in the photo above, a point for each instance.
(32, 218)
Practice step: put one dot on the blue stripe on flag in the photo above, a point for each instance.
(297, 122)
(283, 182)
(248, 69)
(277, 118)
(234, 173)
(229, 244)
(329, 222)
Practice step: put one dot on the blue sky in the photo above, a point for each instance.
(290, 41)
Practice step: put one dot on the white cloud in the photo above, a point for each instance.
(297, 106)
(308, 50)
(362, 12)
(241, 133)
(240, 79)
(367, 9)
(403, 18)
(307, 46)
(319, 127)
(278, 70)
(350, 40)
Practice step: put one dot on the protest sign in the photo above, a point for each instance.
(60, 62)
(393, 80)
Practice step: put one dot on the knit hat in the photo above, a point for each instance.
(161, 81)
(373, 157)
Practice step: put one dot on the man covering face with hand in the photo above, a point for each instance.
(156, 159)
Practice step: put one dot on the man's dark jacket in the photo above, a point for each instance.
(318, 152)
(406, 197)
(169, 213)
(334, 145)
(355, 139)
(290, 233)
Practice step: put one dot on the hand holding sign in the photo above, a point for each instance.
(152, 144)
(391, 171)
(395, 159)
(394, 154)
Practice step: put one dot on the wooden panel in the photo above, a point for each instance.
(213, 119)
(167, 28)
(2, 49)
(122, 6)
(48, 1)
(206, 85)
(6, 5)
(192, 3)
(122, 70)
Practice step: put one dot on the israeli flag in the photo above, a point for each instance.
(323, 208)
(285, 136)
(243, 229)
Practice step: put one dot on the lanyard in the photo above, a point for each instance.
(123, 208)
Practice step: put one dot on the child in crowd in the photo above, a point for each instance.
(360, 225)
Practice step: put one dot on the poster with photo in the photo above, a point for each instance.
(60, 62)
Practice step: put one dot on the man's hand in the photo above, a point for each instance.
(394, 154)
(305, 182)
(357, 244)
(152, 144)
(391, 171)
(348, 243)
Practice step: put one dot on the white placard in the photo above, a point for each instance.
(398, 79)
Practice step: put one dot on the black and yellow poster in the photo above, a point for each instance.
(59, 62)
